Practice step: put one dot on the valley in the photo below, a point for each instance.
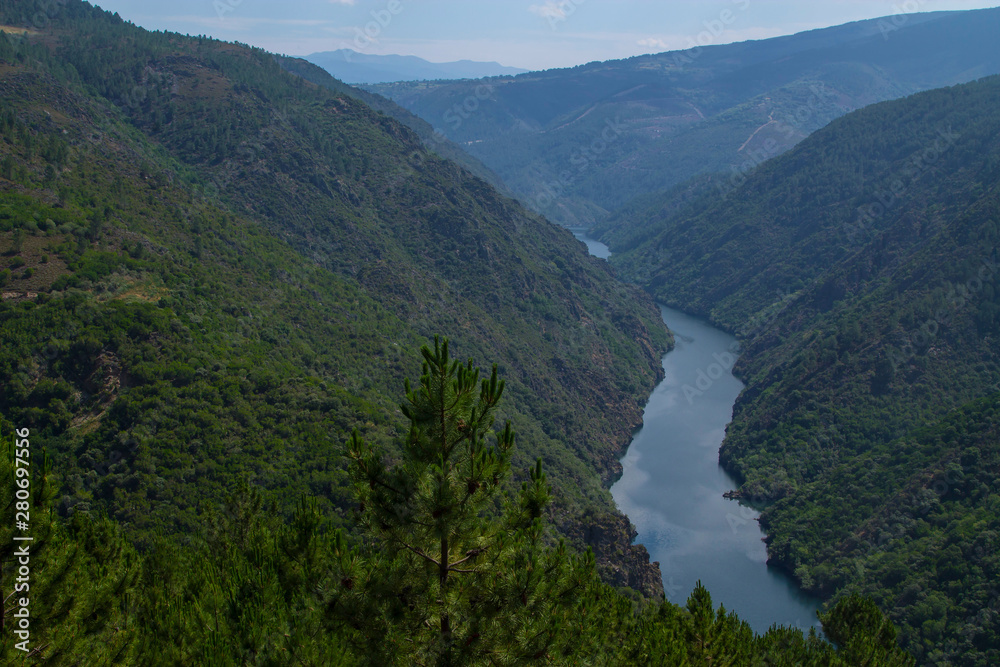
(711, 110)
(853, 256)
(867, 324)
(317, 376)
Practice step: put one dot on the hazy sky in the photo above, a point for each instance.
(533, 34)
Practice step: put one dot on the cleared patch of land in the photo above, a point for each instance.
(14, 30)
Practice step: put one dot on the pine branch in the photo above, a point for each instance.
(468, 555)
(421, 554)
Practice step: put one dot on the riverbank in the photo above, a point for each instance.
(673, 488)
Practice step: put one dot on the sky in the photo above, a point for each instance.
(531, 34)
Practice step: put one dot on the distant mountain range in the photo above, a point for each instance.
(576, 144)
(352, 67)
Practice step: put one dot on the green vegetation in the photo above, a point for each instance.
(230, 246)
(431, 136)
(459, 585)
(450, 569)
(860, 271)
(241, 266)
(578, 143)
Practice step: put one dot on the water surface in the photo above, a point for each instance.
(672, 485)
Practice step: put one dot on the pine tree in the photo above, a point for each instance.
(81, 585)
(454, 569)
(863, 634)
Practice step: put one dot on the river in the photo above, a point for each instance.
(672, 485)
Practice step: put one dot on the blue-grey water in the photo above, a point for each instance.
(596, 248)
(672, 485)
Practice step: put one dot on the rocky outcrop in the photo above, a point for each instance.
(619, 561)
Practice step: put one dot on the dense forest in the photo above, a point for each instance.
(210, 235)
(432, 137)
(449, 567)
(216, 277)
(860, 272)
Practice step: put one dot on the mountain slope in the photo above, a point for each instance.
(578, 143)
(213, 271)
(433, 140)
(861, 272)
(233, 267)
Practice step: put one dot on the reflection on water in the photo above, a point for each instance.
(672, 485)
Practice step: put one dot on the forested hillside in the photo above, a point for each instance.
(451, 569)
(860, 271)
(579, 143)
(213, 269)
(216, 277)
(433, 139)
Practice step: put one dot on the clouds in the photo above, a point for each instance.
(653, 43)
(555, 12)
(550, 10)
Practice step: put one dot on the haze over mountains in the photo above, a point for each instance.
(351, 66)
(576, 144)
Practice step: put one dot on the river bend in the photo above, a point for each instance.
(672, 485)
